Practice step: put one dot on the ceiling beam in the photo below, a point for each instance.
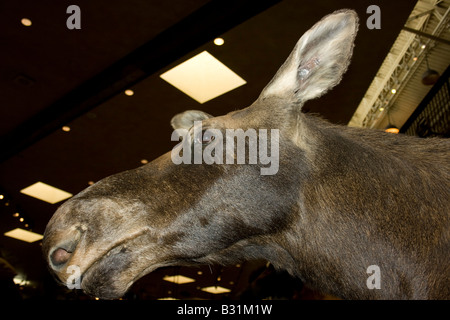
(400, 64)
(426, 35)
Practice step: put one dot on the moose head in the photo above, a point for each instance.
(325, 213)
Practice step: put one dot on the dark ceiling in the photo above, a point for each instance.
(51, 76)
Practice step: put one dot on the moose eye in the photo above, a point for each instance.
(205, 138)
(208, 137)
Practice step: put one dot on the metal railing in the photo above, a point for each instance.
(432, 116)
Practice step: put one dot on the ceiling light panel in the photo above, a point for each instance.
(24, 235)
(203, 77)
(216, 290)
(46, 193)
(178, 279)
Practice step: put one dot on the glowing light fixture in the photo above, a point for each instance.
(216, 290)
(66, 128)
(178, 279)
(21, 280)
(26, 22)
(45, 192)
(24, 235)
(129, 92)
(392, 129)
(203, 77)
(219, 41)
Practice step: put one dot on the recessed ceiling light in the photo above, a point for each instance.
(219, 41)
(26, 22)
(393, 130)
(66, 128)
(144, 161)
(393, 91)
(203, 77)
(24, 235)
(216, 290)
(129, 92)
(1, 197)
(45, 192)
(178, 279)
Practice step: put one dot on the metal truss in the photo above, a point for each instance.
(423, 28)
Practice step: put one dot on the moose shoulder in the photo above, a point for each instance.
(342, 199)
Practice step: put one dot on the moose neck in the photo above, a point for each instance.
(350, 219)
(344, 219)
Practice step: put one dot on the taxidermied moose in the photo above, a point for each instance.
(343, 199)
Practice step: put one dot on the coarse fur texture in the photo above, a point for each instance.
(343, 199)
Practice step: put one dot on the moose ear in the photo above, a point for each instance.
(318, 61)
(185, 120)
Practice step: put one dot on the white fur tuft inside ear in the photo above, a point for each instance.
(318, 61)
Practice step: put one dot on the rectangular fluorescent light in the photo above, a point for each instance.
(216, 290)
(46, 193)
(178, 279)
(24, 235)
(203, 77)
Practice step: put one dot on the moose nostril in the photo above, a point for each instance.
(60, 256)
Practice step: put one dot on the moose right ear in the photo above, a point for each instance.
(185, 120)
(318, 61)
